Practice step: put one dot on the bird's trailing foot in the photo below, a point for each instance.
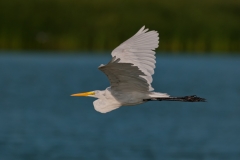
(192, 98)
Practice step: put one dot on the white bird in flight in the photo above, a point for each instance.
(130, 74)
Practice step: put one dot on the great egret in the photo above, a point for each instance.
(130, 74)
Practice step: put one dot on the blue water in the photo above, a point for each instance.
(40, 120)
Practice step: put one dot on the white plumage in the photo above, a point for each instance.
(139, 51)
(129, 72)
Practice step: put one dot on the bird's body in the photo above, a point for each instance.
(109, 99)
(130, 74)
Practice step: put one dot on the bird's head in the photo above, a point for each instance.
(87, 94)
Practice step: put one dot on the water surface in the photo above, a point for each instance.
(39, 120)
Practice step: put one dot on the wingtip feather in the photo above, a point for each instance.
(141, 30)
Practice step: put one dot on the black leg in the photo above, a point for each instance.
(193, 98)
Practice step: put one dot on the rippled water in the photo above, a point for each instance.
(39, 120)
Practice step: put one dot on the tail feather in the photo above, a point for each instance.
(158, 94)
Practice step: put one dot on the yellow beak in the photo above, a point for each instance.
(83, 94)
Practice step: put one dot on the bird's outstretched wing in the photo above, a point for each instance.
(133, 62)
(124, 77)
